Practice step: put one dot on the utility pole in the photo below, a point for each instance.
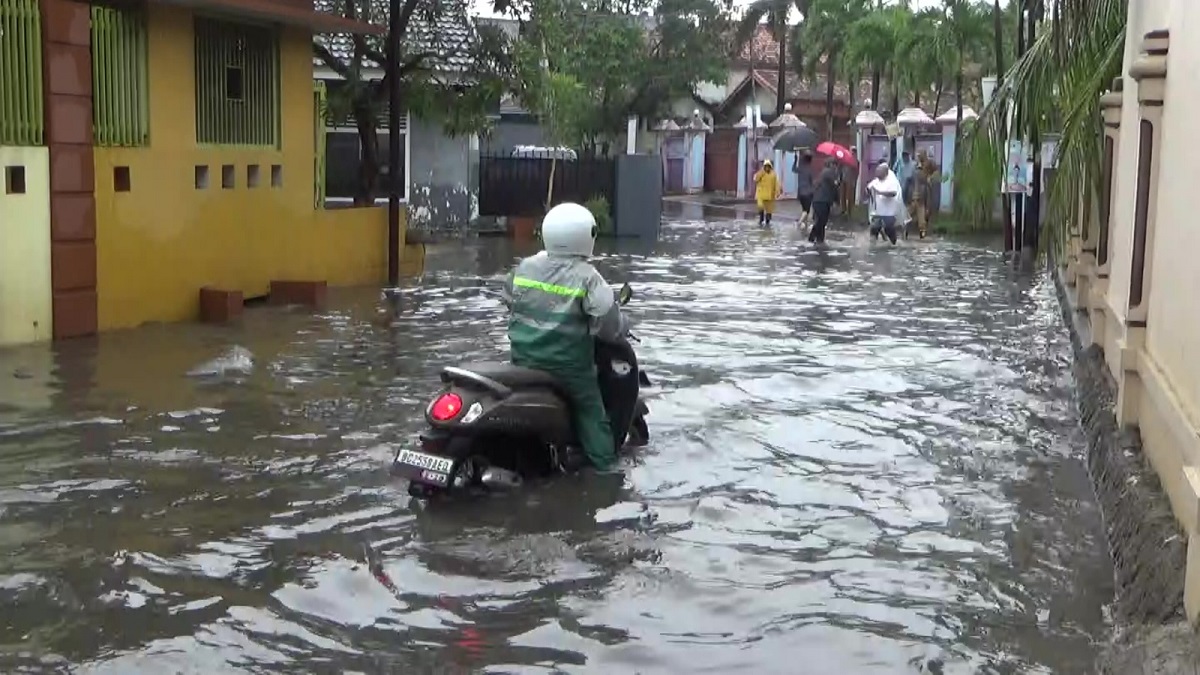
(1033, 207)
(395, 154)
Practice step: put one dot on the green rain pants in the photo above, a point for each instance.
(587, 409)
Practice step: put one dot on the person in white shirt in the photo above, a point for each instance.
(886, 202)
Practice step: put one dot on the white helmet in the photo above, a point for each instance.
(569, 229)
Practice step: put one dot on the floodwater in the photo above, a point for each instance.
(863, 460)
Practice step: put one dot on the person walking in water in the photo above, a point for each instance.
(886, 203)
(849, 184)
(921, 197)
(767, 189)
(824, 197)
(803, 167)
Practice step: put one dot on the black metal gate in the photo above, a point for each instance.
(516, 185)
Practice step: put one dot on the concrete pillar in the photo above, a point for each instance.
(1095, 242)
(865, 122)
(860, 146)
(742, 159)
(1150, 71)
(949, 141)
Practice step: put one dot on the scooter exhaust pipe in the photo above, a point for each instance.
(500, 479)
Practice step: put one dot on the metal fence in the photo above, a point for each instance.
(20, 73)
(516, 186)
(121, 101)
(237, 84)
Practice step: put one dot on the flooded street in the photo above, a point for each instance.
(862, 460)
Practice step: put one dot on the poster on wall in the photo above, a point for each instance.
(1050, 153)
(930, 146)
(877, 149)
(1016, 176)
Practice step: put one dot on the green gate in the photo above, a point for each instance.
(21, 121)
(320, 112)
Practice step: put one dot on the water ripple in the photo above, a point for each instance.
(864, 459)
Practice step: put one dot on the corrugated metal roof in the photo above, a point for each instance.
(441, 27)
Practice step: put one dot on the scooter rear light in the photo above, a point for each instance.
(446, 407)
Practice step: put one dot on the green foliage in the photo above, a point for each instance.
(977, 181)
(827, 30)
(565, 108)
(872, 41)
(461, 107)
(1045, 91)
(932, 55)
(918, 52)
(602, 212)
(621, 63)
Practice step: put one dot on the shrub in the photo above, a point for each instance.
(602, 212)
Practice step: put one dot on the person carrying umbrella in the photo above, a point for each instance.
(829, 186)
(805, 184)
(767, 189)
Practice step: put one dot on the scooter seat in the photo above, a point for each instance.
(513, 376)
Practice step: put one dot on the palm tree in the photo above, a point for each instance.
(871, 42)
(1050, 92)
(925, 56)
(826, 30)
(775, 14)
(968, 26)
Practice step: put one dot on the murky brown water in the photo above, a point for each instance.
(863, 461)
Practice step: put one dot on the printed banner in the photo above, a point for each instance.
(1016, 174)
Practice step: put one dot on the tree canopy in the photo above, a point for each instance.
(627, 58)
(451, 71)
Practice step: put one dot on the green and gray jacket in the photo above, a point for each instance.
(558, 304)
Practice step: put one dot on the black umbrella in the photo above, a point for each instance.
(792, 139)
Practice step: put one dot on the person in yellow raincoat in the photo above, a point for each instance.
(767, 188)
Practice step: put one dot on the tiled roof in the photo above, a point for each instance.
(441, 27)
(804, 89)
(811, 88)
(762, 48)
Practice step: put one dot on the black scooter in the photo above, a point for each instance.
(496, 425)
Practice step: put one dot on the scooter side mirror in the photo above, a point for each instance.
(624, 295)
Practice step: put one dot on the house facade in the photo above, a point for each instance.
(753, 79)
(155, 149)
(1132, 265)
(440, 172)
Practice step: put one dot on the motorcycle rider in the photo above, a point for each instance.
(558, 303)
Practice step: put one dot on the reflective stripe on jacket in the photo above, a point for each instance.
(558, 303)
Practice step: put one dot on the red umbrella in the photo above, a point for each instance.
(838, 152)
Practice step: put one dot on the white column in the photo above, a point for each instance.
(949, 140)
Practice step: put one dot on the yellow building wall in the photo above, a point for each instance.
(26, 309)
(164, 239)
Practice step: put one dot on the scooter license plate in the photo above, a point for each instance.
(424, 468)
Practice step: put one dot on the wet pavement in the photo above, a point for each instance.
(864, 459)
